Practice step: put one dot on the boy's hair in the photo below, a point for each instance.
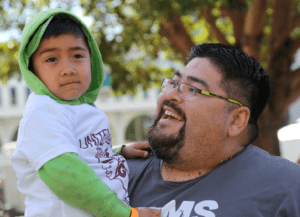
(243, 78)
(62, 24)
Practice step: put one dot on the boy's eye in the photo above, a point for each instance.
(78, 56)
(51, 59)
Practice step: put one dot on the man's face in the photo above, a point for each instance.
(189, 129)
(63, 64)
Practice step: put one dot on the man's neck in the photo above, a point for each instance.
(191, 170)
(169, 173)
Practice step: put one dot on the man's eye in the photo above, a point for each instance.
(174, 83)
(51, 59)
(193, 89)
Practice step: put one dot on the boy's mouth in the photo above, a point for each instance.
(72, 82)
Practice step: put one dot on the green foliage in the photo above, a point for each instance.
(178, 6)
(297, 8)
(198, 29)
(129, 34)
(8, 60)
(129, 38)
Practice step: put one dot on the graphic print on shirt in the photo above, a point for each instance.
(96, 139)
(120, 172)
(105, 140)
(114, 166)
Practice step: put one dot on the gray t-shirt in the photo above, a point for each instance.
(253, 183)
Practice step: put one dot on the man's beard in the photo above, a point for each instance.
(166, 147)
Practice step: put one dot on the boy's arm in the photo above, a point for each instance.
(73, 181)
(118, 149)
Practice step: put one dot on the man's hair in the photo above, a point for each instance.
(62, 24)
(243, 78)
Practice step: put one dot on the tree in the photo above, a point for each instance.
(265, 29)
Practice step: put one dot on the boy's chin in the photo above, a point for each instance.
(68, 98)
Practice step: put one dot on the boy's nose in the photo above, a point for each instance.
(67, 68)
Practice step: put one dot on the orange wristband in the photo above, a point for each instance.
(134, 212)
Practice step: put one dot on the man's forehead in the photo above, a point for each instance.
(194, 62)
(201, 70)
(201, 67)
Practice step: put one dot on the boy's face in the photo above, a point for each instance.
(63, 64)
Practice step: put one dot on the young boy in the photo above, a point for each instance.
(64, 152)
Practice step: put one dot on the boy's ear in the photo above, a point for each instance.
(239, 121)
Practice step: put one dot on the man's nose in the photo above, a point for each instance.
(67, 68)
(173, 95)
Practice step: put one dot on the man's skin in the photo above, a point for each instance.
(213, 133)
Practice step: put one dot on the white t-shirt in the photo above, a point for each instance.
(49, 129)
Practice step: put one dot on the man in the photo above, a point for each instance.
(203, 162)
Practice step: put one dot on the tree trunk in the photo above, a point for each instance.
(274, 116)
(253, 30)
(269, 123)
(177, 35)
(280, 60)
(268, 140)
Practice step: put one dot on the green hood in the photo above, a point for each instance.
(31, 37)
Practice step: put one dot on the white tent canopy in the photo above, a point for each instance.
(289, 140)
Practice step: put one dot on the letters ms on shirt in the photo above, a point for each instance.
(202, 209)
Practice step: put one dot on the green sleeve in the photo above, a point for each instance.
(73, 181)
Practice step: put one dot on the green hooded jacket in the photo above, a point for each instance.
(31, 37)
(86, 191)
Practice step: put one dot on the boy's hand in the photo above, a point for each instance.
(147, 212)
(139, 149)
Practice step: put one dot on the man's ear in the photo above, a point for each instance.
(239, 121)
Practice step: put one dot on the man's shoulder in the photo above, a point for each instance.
(273, 165)
(272, 160)
(141, 162)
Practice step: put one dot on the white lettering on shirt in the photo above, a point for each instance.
(203, 209)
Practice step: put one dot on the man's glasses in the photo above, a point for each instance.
(188, 92)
